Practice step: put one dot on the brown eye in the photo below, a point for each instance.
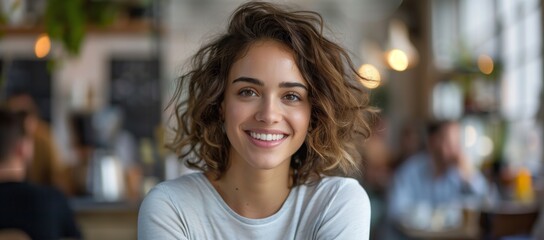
(292, 97)
(247, 92)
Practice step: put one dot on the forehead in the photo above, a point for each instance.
(267, 45)
(266, 58)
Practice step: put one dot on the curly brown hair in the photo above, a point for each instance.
(339, 102)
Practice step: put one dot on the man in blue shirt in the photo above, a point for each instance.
(440, 179)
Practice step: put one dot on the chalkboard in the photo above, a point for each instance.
(135, 89)
(29, 76)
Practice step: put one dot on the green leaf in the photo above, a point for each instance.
(65, 21)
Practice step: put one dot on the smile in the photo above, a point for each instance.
(266, 136)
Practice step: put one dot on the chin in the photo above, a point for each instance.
(264, 163)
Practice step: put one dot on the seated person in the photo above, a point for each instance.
(439, 178)
(39, 211)
(47, 167)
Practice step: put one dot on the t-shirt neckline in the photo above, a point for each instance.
(250, 221)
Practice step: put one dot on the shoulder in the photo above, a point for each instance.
(36, 197)
(51, 196)
(37, 191)
(340, 191)
(340, 184)
(185, 182)
(166, 208)
(186, 190)
(188, 185)
(345, 209)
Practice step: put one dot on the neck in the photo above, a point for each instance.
(12, 170)
(12, 174)
(254, 193)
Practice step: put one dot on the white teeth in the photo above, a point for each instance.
(266, 137)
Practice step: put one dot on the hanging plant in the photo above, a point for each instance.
(66, 20)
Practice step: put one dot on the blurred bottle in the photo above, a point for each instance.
(524, 186)
(150, 165)
(106, 181)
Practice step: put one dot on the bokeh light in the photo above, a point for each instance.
(485, 64)
(371, 76)
(397, 60)
(42, 46)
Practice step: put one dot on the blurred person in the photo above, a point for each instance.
(47, 167)
(409, 144)
(435, 179)
(270, 112)
(42, 212)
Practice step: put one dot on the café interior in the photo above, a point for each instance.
(101, 73)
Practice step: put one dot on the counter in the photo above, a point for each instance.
(106, 220)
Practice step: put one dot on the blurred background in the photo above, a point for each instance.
(99, 75)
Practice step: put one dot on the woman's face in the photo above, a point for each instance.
(266, 107)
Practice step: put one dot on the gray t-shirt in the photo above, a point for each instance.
(190, 208)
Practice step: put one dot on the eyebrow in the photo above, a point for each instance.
(261, 83)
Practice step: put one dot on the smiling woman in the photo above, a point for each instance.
(270, 109)
(266, 97)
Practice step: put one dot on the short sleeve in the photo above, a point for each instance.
(348, 215)
(158, 217)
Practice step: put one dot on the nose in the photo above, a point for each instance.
(269, 112)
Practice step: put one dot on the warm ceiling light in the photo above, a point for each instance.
(42, 46)
(397, 60)
(371, 76)
(401, 53)
(485, 64)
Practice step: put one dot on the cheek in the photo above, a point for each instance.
(233, 115)
(232, 111)
(301, 119)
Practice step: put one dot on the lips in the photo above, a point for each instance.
(266, 140)
(267, 136)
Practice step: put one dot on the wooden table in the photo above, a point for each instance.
(508, 219)
(469, 230)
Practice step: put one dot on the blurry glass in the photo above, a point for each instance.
(477, 146)
(441, 218)
(106, 179)
(523, 146)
